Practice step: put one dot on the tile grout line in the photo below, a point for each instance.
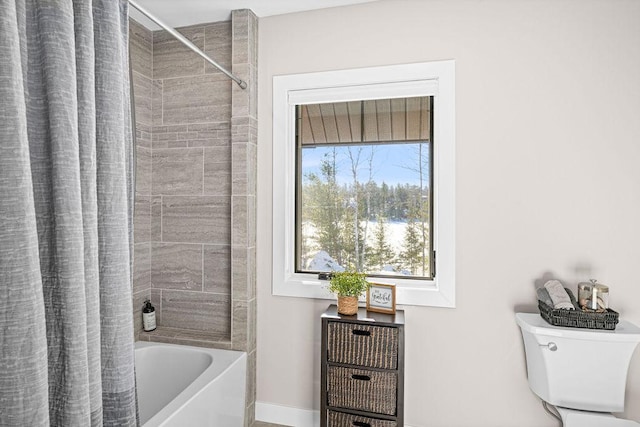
(190, 243)
(202, 268)
(150, 127)
(191, 291)
(203, 172)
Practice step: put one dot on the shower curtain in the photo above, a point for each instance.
(66, 328)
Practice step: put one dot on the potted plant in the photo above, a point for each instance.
(348, 286)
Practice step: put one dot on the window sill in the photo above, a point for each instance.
(408, 292)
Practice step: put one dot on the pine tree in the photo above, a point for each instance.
(412, 255)
(324, 209)
(381, 253)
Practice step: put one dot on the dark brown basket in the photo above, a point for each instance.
(362, 389)
(364, 345)
(340, 419)
(578, 318)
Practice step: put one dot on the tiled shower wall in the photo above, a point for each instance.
(195, 189)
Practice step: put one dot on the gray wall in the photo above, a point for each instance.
(195, 221)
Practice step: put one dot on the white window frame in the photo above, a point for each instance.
(435, 79)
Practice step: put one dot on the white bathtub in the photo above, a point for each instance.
(190, 386)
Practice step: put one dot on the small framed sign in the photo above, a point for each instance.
(381, 298)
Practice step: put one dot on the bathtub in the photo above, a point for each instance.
(180, 385)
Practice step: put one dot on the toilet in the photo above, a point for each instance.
(582, 372)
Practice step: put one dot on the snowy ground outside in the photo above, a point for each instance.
(395, 231)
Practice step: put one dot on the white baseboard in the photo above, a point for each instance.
(287, 415)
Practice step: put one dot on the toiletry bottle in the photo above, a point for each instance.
(148, 317)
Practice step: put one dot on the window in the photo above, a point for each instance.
(363, 180)
(363, 177)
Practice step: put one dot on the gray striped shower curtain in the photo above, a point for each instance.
(66, 332)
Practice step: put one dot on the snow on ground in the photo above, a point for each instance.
(395, 236)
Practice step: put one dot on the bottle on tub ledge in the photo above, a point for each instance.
(148, 317)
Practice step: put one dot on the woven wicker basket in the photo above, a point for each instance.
(368, 390)
(578, 318)
(340, 419)
(347, 305)
(363, 345)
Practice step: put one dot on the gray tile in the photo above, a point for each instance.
(240, 272)
(244, 169)
(177, 171)
(173, 59)
(185, 137)
(251, 326)
(195, 219)
(143, 135)
(252, 169)
(210, 134)
(254, 23)
(241, 97)
(156, 218)
(239, 221)
(166, 334)
(218, 154)
(245, 37)
(167, 136)
(143, 170)
(244, 129)
(251, 376)
(217, 269)
(140, 45)
(245, 101)
(240, 29)
(142, 96)
(196, 99)
(196, 310)
(243, 221)
(141, 267)
(169, 129)
(168, 140)
(156, 103)
(252, 268)
(240, 316)
(250, 413)
(193, 135)
(155, 295)
(217, 44)
(142, 219)
(217, 171)
(144, 127)
(176, 266)
(252, 83)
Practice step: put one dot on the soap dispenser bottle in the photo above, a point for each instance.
(148, 317)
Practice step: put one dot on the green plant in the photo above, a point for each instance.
(348, 283)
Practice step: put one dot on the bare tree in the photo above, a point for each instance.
(422, 168)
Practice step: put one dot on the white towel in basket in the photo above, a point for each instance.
(558, 295)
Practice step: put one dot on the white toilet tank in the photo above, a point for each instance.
(578, 368)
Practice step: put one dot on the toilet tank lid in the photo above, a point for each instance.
(532, 322)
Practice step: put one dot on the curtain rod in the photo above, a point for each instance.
(186, 42)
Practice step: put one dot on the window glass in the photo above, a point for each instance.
(364, 182)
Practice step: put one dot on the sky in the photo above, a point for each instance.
(392, 163)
